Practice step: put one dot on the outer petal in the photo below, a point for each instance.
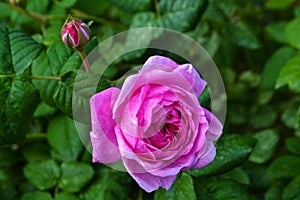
(187, 70)
(215, 126)
(105, 146)
(208, 153)
(150, 182)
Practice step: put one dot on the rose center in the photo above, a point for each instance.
(169, 131)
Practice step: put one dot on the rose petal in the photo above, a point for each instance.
(207, 155)
(215, 126)
(150, 182)
(105, 146)
(187, 70)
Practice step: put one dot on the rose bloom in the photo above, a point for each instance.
(155, 124)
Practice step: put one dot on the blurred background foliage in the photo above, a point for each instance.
(255, 44)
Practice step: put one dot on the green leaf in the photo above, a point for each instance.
(65, 3)
(75, 175)
(8, 157)
(292, 192)
(183, 188)
(36, 152)
(278, 4)
(274, 192)
(232, 151)
(18, 101)
(63, 138)
(36, 196)
(276, 31)
(18, 51)
(131, 5)
(37, 6)
(290, 75)
(265, 147)
(289, 116)
(293, 145)
(242, 35)
(226, 189)
(292, 32)
(66, 196)
(238, 175)
(273, 66)
(5, 10)
(109, 185)
(43, 110)
(284, 167)
(43, 175)
(72, 93)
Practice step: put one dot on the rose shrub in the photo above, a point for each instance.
(155, 124)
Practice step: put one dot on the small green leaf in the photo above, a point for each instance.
(278, 4)
(36, 152)
(242, 35)
(5, 10)
(232, 151)
(63, 138)
(66, 196)
(8, 157)
(292, 192)
(292, 32)
(109, 185)
(284, 167)
(276, 31)
(273, 66)
(183, 188)
(65, 3)
(289, 116)
(290, 75)
(131, 5)
(44, 175)
(238, 175)
(36, 196)
(43, 110)
(37, 6)
(293, 145)
(265, 147)
(274, 192)
(75, 175)
(226, 189)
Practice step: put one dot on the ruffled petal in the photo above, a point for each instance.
(103, 137)
(186, 70)
(215, 126)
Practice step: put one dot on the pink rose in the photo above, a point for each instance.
(155, 124)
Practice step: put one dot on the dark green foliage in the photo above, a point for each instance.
(43, 88)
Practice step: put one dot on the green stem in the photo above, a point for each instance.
(157, 10)
(58, 78)
(38, 17)
(85, 61)
(83, 15)
(140, 195)
(7, 76)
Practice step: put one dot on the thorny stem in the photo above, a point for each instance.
(85, 61)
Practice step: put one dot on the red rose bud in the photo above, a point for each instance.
(75, 33)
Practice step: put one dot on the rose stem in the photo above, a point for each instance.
(85, 61)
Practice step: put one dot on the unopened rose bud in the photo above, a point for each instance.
(75, 33)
